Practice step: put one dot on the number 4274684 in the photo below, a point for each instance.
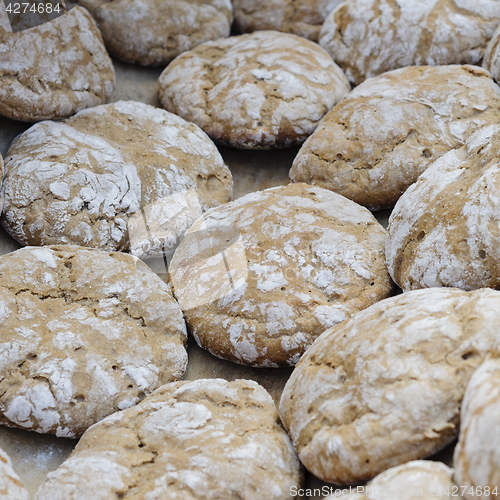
(40, 8)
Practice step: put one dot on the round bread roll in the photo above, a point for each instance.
(79, 181)
(201, 440)
(54, 70)
(153, 32)
(444, 231)
(418, 479)
(477, 458)
(302, 259)
(301, 17)
(369, 37)
(263, 90)
(491, 60)
(84, 333)
(379, 139)
(385, 386)
(11, 487)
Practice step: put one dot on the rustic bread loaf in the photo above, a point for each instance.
(78, 181)
(300, 17)
(369, 37)
(153, 32)
(444, 231)
(379, 139)
(202, 440)
(385, 386)
(263, 90)
(476, 459)
(54, 70)
(302, 259)
(11, 487)
(84, 333)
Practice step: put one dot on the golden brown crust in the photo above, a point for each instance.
(382, 136)
(54, 70)
(153, 32)
(313, 259)
(386, 386)
(257, 91)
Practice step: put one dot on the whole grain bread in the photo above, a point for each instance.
(386, 386)
(54, 70)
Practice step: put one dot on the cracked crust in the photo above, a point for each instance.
(300, 17)
(259, 91)
(54, 70)
(189, 440)
(314, 258)
(79, 180)
(153, 32)
(369, 37)
(383, 135)
(386, 386)
(417, 479)
(476, 458)
(444, 231)
(84, 333)
(11, 487)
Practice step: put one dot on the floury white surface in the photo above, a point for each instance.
(444, 231)
(477, 457)
(351, 418)
(257, 91)
(85, 333)
(64, 60)
(314, 259)
(369, 37)
(188, 440)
